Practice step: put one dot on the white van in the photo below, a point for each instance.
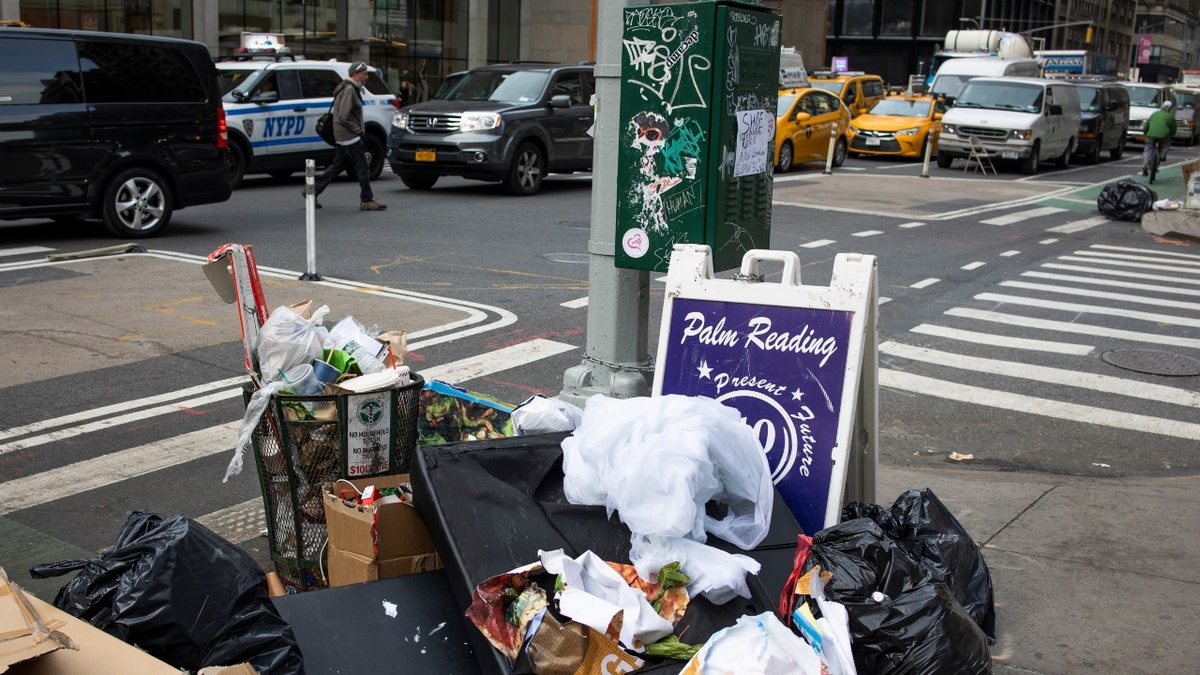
(1015, 118)
(1144, 99)
(950, 78)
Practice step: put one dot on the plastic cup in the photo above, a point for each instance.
(324, 372)
(303, 382)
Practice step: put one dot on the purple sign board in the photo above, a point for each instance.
(783, 369)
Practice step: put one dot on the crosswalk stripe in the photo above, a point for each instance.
(1121, 273)
(1155, 288)
(1124, 263)
(495, 361)
(1089, 309)
(818, 243)
(1079, 225)
(1032, 405)
(1132, 249)
(1010, 218)
(122, 465)
(1072, 327)
(1046, 374)
(1148, 258)
(1093, 293)
(1003, 340)
(23, 250)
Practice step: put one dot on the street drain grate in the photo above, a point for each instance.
(1152, 362)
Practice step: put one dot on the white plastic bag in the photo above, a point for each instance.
(657, 461)
(287, 340)
(717, 575)
(755, 645)
(541, 415)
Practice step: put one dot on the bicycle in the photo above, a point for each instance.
(1160, 154)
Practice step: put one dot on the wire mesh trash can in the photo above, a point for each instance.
(371, 434)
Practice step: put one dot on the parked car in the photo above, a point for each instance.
(125, 128)
(1187, 116)
(954, 74)
(1144, 99)
(512, 123)
(898, 126)
(1016, 118)
(858, 90)
(273, 102)
(1103, 120)
(806, 121)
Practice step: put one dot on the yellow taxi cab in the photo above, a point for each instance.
(898, 126)
(807, 118)
(858, 90)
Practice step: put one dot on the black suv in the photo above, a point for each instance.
(1103, 121)
(512, 123)
(126, 128)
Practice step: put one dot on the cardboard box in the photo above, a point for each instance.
(346, 568)
(40, 639)
(403, 544)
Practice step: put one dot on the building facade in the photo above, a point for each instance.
(423, 40)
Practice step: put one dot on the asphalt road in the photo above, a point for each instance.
(1001, 298)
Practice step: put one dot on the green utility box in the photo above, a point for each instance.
(699, 84)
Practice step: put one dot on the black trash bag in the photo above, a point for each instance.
(182, 593)
(1126, 200)
(923, 526)
(903, 617)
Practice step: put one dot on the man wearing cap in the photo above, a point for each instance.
(1159, 129)
(348, 132)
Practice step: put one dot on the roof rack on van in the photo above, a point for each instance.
(1076, 77)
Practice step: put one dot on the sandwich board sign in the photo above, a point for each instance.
(798, 362)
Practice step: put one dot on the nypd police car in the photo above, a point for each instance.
(272, 103)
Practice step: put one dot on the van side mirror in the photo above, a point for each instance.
(1112, 105)
(938, 116)
(1055, 109)
(560, 101)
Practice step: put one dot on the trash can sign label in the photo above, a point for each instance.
(368, 434)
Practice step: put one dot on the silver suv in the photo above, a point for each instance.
(272, 104)
(512, 123)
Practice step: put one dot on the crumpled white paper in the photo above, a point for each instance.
(593, 593)
(541, 415)
(755, 645)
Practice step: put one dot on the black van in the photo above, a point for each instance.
(126, 128)
(1103, 120)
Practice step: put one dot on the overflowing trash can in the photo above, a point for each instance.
(359, 435)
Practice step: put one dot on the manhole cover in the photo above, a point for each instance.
(576, 258)
(1152, 361)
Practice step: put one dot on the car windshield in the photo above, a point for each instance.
(902, 107)
(1183, 100)
(233, 79)
(834, 88)
(1145, 97)
(785, 103)
(995, 95)
(1089, 99)
(522, 86)
(950, 85)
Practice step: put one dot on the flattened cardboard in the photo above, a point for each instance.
(77, 648)
(347, 568)
(402, 533)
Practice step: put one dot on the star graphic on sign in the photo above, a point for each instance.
(797, 395)
(705, 371)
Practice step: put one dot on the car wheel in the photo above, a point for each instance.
(1029, 165)
(525, 174)
(1119, 149)
(237, 163)
(137, 203)
(839, 152)
(1093, 156)
(376, 158)
(281, 174)
(418, 182)
(1064, 160)
(944, 161)
(785, 157)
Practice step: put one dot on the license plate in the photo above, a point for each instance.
(1009, 154)
(872, 141)
(426, 156)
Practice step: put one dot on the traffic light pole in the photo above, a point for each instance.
(616, 359)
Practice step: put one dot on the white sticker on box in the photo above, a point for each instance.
(368, 434)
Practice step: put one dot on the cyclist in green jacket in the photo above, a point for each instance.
(1159, 129)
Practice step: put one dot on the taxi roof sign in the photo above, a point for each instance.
(263, 42)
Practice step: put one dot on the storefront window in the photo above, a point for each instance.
(937, 18)
(857, 17)
(897, 18)
(146, 17)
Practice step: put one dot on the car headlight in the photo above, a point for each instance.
(1021, 134)
(909, 132)
(480, 121)
(854, 126)
(400, 120)
(948, 130)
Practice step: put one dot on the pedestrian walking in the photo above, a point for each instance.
(1159, 129)
(348, 133)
